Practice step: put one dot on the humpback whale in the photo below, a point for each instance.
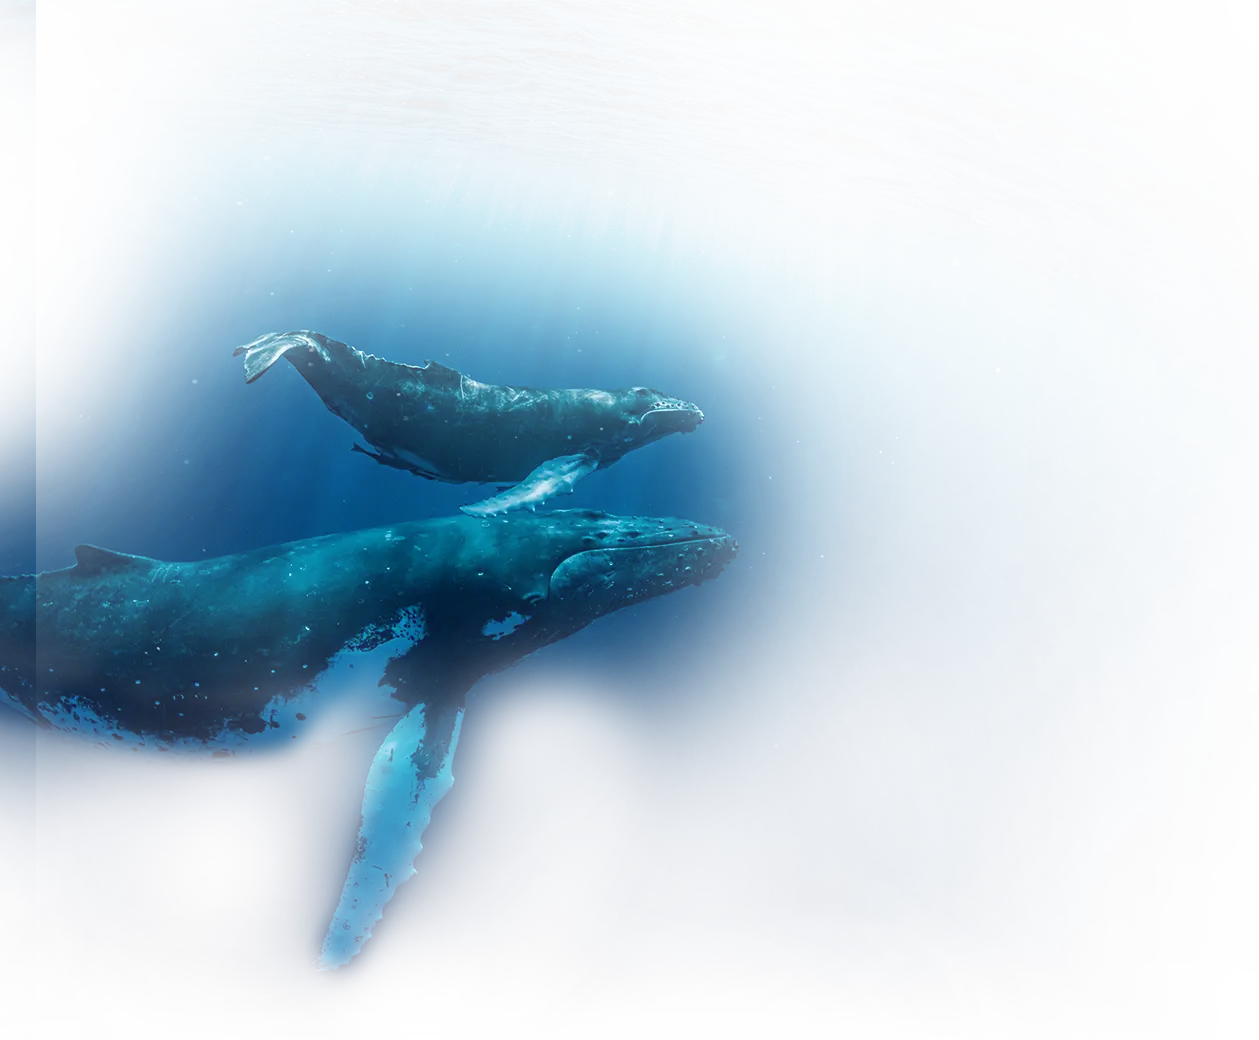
(251, 649)
(442, 425)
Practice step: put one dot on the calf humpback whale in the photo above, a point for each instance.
(221, 654)
(437, 423)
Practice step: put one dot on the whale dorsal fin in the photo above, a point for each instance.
(439, 376)
(431, 374)
(93, 560)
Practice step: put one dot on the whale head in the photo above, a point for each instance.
(603, 563)
(647, 415)
(541, 577)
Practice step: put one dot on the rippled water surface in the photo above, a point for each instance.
(1107, 151)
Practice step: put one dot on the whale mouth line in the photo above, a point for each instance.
(668, 543)
(660, 545)
(715, 543)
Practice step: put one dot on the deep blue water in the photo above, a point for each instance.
(965, 743)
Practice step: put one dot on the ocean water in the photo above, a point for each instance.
(962, 744)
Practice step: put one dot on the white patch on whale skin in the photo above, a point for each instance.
(504, 627)
(343, 697)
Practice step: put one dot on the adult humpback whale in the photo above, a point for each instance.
(219, 654)
(439, 424)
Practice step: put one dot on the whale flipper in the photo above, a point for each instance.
(410, 774)
(266, 350)
(383, 459)
(553, 477)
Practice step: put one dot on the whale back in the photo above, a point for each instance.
(212, 654)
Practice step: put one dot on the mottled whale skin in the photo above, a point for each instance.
(442, 425)
(217, 654)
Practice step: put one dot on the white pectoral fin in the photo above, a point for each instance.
(409, 775)
(553, 477)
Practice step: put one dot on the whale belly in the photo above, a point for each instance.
(345, 698)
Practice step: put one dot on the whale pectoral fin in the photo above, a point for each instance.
(553, 477)
(380, 457)
(409, 775)
(407, 465)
